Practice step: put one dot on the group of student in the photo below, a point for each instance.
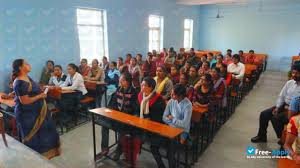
(166, 93)
(165, 87)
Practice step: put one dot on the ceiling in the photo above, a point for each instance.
(206, 2)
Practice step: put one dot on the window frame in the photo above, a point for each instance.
(152, 29)
(104, 33)
(190, 33)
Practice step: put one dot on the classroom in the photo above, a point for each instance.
(149, 83)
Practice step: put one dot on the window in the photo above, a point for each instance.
(188, 33)
(92, 33)
(155, 32)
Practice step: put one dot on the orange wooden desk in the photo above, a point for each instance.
(133, 121)
(198, 112)
(98, 87)
(287, 163)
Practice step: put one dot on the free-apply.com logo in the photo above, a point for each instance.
(251, 150)
(254, 153)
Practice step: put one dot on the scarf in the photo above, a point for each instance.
(216, 85)
(160, 87)
(134, 69)
(111, 73)
(144, 108)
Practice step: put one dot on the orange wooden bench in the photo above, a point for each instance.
(295, 58)
(287, 163)
(205, 52)
(249, 68)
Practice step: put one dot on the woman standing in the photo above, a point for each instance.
(36, 126)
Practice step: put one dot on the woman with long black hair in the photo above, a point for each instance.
(34, 121)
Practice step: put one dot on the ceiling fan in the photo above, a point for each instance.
(219, 16)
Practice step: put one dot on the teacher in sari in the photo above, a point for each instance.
(34, 121)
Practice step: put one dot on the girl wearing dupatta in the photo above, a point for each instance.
(135, 72)
(164, 85)
(152, 107)
(112, 79)
(34, 121)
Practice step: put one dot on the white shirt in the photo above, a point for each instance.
(57, 82)
(289, 90)
(75, 83)
(238, 69)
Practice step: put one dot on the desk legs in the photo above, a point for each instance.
(105, 96)
(94, 136)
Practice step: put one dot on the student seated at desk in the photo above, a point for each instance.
(225, 75)
(205, 68)
(74, 82)
(164, 84)
(192, 58)
(128, 59)
(228, 57)
(152, 107)
(123, 100)
(34, 121)
(193, 76)
(219, 61)
(120, 65)
(186, 68)
(112, 80)
(135, 71)
(58, 77)
(203, 92)
(212, 61)
(250, 58)
(237, 69)
(149, 67)
(170, 59)
(242, 56)
(47, 72)
(140, 61)
(219, 86)
(180, 58)
(174, 74)
(178, 112)
(84, 69)
(105, 64)
(183, 80)
(96, 73)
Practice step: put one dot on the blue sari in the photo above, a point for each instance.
(34, 121)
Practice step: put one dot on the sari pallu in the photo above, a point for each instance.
(35, 124)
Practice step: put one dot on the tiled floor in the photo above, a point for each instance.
(228, 149)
